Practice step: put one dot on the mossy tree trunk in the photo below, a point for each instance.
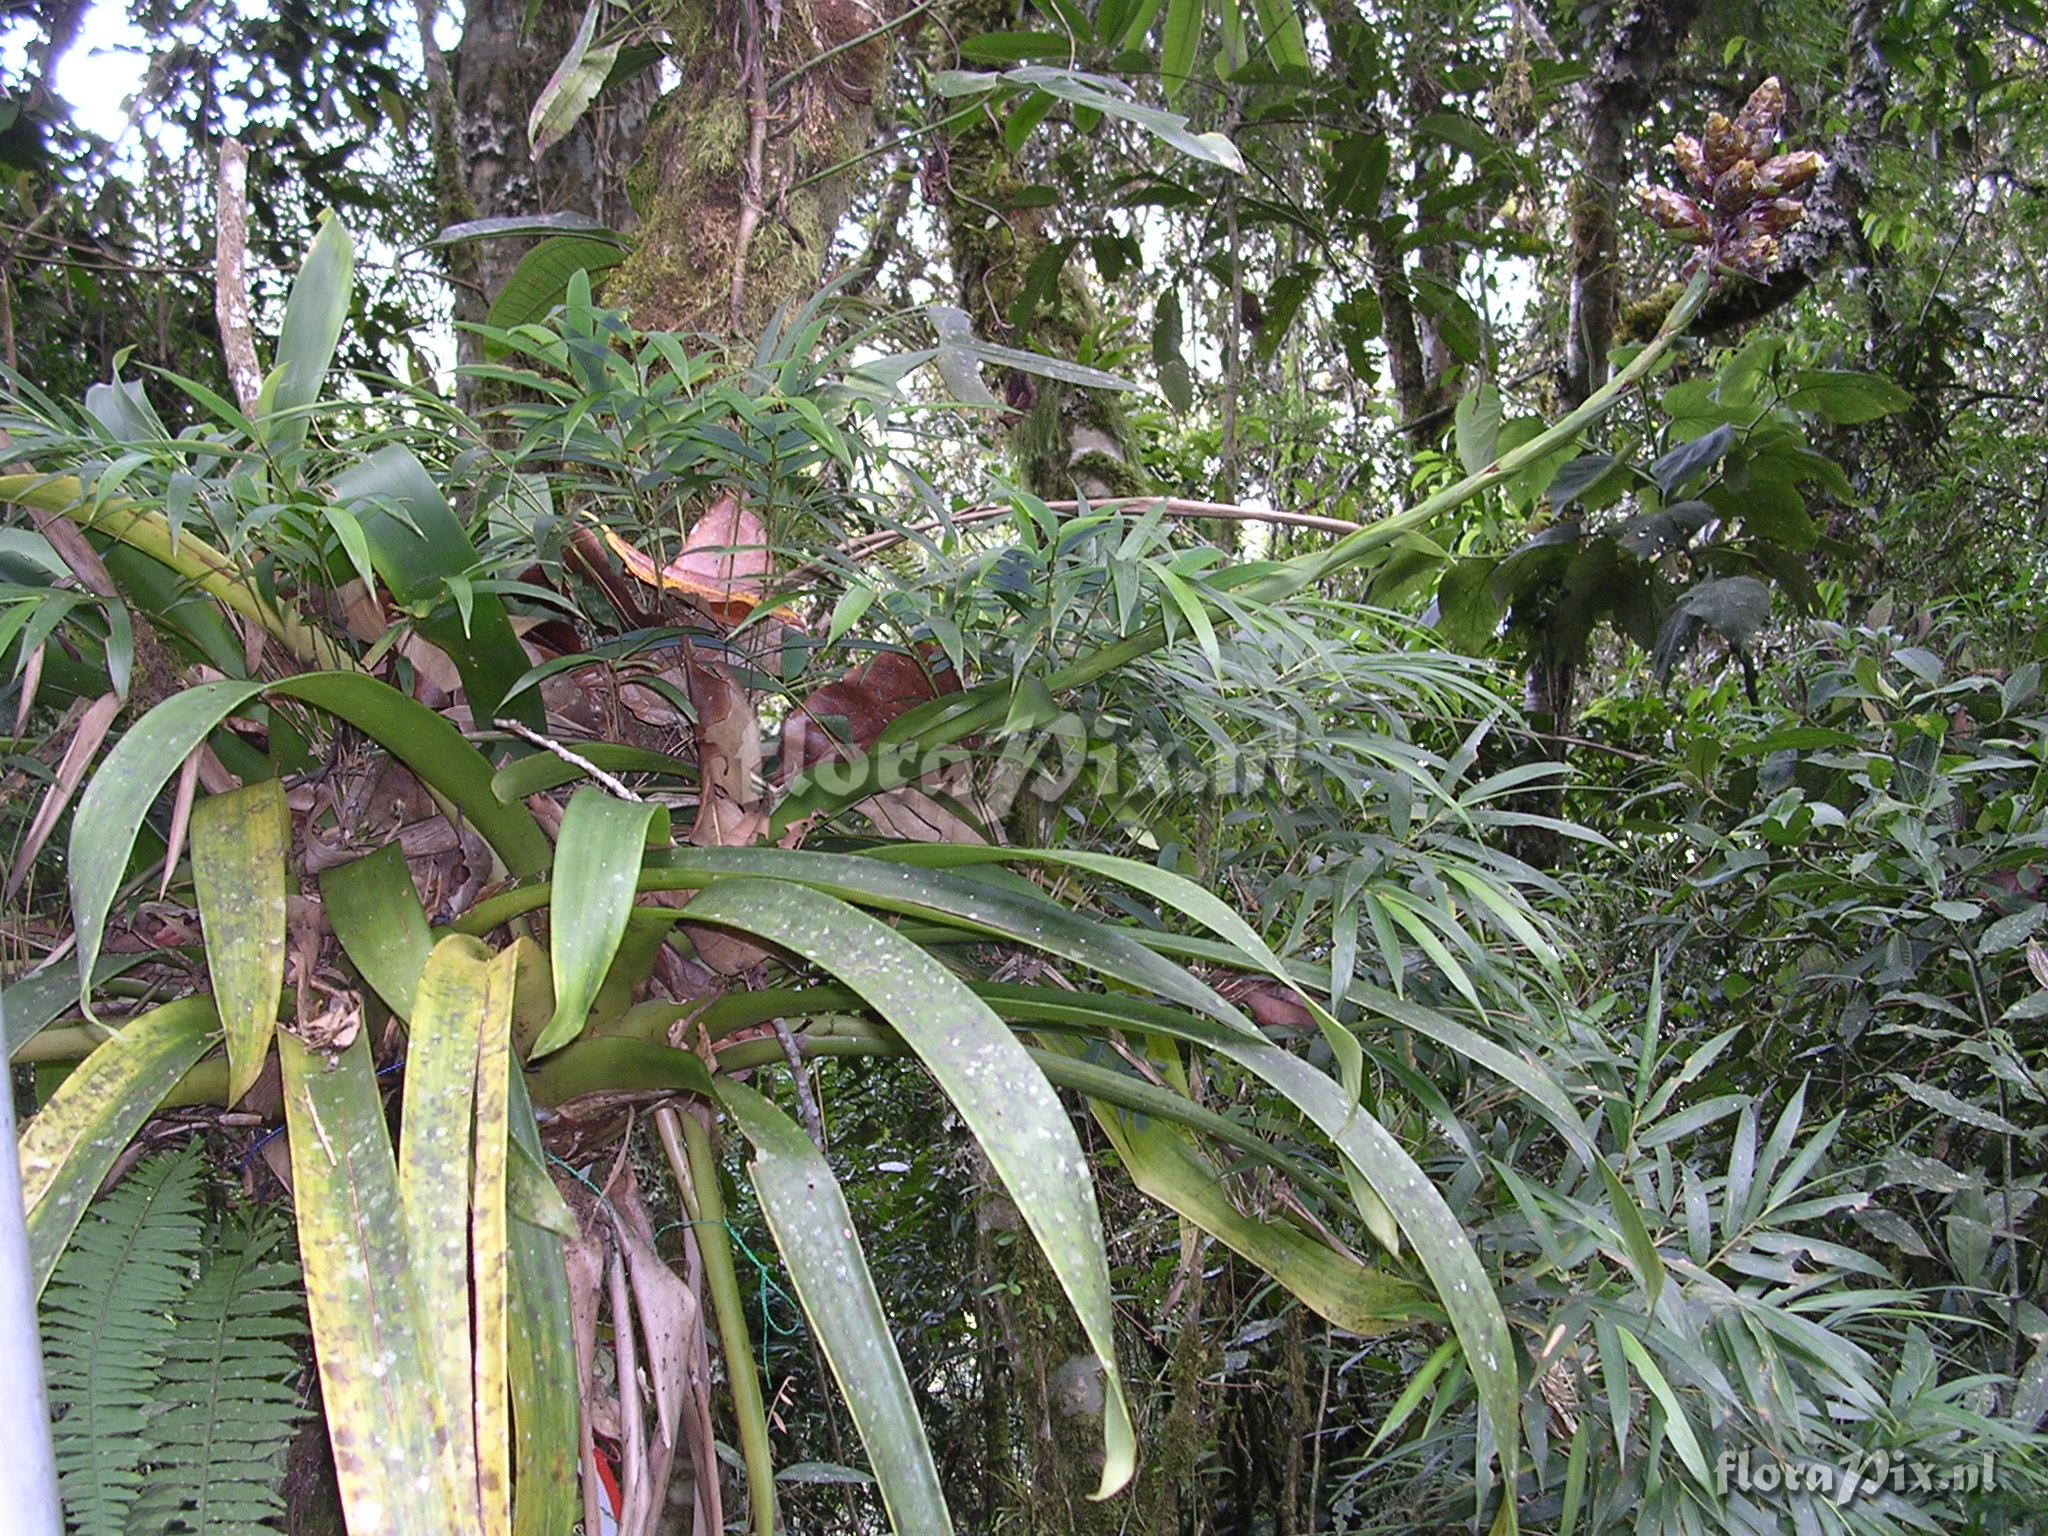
(752, 158)
(1632, 44)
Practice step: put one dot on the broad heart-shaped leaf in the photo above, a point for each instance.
(387, 1420)
(1844, 398)
(451, 1183)
(239, 843)
(418, 547)
(1476, 426)
(983, 1068)
(374, 909)
(111, 810)
(814, 1232)
(597, 867)
(313, 317)
(1687, 460)
(73, 1140)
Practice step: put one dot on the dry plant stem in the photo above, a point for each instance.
(688, 1147)
(806, 1101)
(871, 544)
(230, 277)
(528, 734)
(1268, 584)
(632, 1424)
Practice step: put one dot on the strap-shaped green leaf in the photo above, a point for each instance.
(1164, 1164)
(313, 318)
(597, 866)
(239, 843)
(999, 1091)
(418, 547)
(111, 810)
(814, 1232)
(457, 1010)
(541, 1353)
(374, 909)
(67, 1148)
(981, 905)
(387, 1419)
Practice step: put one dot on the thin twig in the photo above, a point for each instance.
(576, 760)
(806, 1101)
(871, 544)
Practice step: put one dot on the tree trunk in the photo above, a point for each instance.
(1065, 441)
(1640, 39)
(752, 159)
(479, 99)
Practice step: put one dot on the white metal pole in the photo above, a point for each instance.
(27, 1471)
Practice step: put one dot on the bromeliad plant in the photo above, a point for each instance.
(452, 1294)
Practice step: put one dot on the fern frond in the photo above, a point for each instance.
(106, 1318)
(225, 1399)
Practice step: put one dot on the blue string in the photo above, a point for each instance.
(271, 1135)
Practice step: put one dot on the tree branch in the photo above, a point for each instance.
(230, 274)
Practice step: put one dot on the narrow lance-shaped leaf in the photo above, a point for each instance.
(814, 1232)
(573, 86)
(387, 1419)
(983, 1068)
(1163, 1164)
(313, 318)
(597, 865)
(67, 1149)
(239, 845)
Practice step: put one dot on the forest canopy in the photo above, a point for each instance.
(1205, 767)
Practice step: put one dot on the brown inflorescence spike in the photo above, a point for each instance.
(1691, 163)
(1758, 120)
(1722, 145)
(1782, 173)
(1676, 212)
(1739, 208)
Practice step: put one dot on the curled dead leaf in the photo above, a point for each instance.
(723, 565)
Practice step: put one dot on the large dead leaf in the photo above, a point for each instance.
(844, 717)
(841, 718)
(86, 736)
(722, 567)
(731, 803)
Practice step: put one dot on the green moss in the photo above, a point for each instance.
(1642, 319)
